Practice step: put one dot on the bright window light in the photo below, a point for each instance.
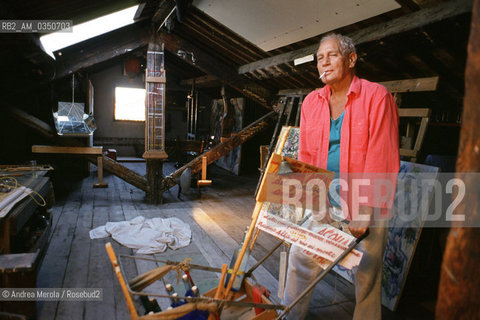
(129, 104)
(58, 40)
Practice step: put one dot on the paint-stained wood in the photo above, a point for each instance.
(459, 282)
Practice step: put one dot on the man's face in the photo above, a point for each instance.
(331, 61)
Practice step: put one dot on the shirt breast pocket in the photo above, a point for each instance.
(313, 139)
(359, 136)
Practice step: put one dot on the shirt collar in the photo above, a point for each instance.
(355, 88)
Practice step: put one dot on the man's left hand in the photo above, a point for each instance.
(359, 225)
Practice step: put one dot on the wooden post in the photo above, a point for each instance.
(154, 178)
(155, 120)
(100, 183)
(459, 286)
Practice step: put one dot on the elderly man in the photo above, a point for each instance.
(350, 126)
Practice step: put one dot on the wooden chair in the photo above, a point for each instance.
(410, 145)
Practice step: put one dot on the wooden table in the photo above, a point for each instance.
(98, 151)
(18, 269)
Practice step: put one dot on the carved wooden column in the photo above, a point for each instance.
(155, 120)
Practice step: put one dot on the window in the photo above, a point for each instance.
(129, 104)
(58, 40)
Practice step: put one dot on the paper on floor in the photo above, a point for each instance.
(147, 235)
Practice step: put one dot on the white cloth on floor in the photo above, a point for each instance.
(147, 235)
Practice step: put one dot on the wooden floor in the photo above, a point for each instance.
(217, 220)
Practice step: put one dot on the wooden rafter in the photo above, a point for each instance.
(203, 81)
(206, 63)
(163, 10)
(115, 44)
(405, 23)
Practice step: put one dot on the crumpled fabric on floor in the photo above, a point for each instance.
(147, 235)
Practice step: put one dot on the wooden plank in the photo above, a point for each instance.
(156, 79)
(407, 22)
(122, 172)
(52, 270)
(411, 85)
(100, 272)
(116, 214)
(294, 92)
(227, 244)
(76, 272)
(67, 150)
(202, 82)
(164, 8)
(31, 121)
(414, 112)
(408, 152)
(421, 134)
(395, 86)
(17, 262)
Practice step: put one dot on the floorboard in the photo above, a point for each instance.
(217, 219)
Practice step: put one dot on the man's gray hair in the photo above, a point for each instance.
(346, 43)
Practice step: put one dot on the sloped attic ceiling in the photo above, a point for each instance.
(437, 47)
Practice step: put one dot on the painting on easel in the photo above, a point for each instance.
(231, 161)
(403, 236)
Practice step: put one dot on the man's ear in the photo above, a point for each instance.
(352, 60)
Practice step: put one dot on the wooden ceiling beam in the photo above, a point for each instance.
(163, 10)
(206, 63)
(405, 23)
(206, 81)
(117, 43)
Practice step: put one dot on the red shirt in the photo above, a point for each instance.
(369, 135)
